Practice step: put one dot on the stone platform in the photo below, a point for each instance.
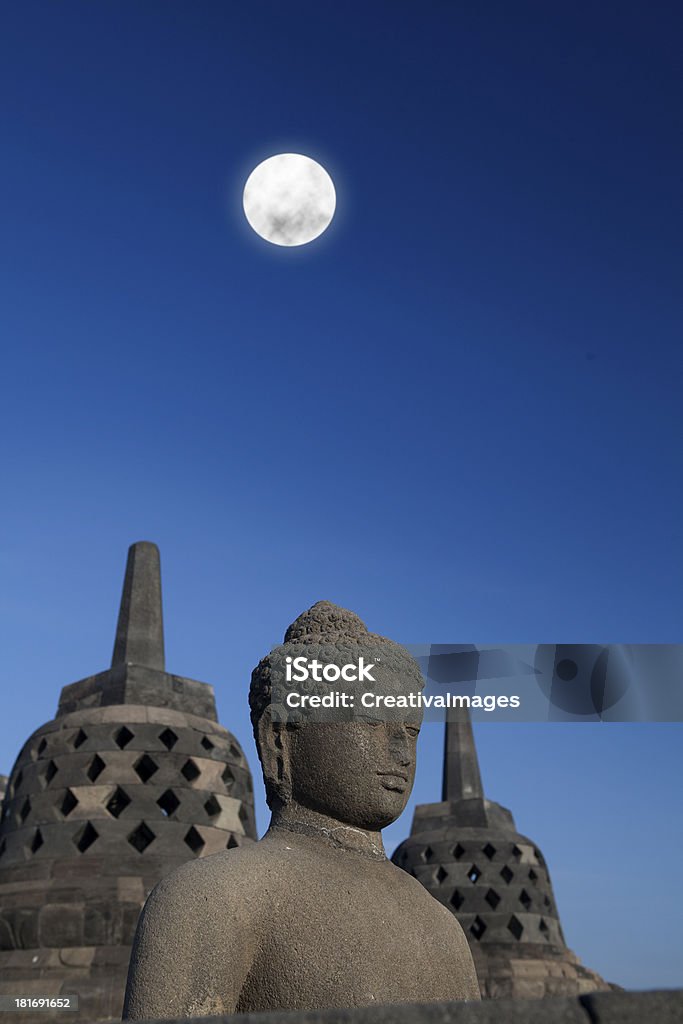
(656, 1007)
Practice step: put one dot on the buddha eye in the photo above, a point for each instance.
(412, 730)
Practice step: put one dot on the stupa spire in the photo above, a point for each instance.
(140, 628)
(461, 775)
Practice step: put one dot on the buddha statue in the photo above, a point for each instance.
(313, 915)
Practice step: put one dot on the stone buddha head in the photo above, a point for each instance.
(354, 764)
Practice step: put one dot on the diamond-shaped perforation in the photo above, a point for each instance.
(457, 899)
(117, 802)
(145, 768)
(85, 837)
(79, 739)
(243, 814)
(427, 854)
(122, 737)
(18, 781)
(533, 876)
(207, 743)
(515, 927)
(141, 837)
(543, 928)
(37, 841)
(458, 851)
(3, 846)
(50, 772)
(168, 802)
(190, 771)
(507, 874)
(525, 899)
(489, 851)
(516, 852)
(193, 839)
(212, 807)
(235, 752)
(474, 874)
(41, 746)
(231, 843)
(478, 927)
(492, 898)
(25, 810)
(69, 802)
(228, 778)
(95, 768)
(168, 738)
(441, 874)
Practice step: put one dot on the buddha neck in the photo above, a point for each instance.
(299, 820)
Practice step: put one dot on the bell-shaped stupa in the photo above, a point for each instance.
(467, 852)
(133, 777)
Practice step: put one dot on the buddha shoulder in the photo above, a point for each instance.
(414, 893)
(230, 879)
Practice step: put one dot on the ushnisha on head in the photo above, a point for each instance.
(356, 766)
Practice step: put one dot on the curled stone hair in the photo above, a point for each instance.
(333, 635)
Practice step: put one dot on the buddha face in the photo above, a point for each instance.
(358, 772)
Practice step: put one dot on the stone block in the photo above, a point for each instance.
(75, 956)
(60, 925)
(658, 1007)
(130, 889)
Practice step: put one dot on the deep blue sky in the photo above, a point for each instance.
(457, 412)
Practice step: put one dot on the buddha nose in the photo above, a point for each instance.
(399, 748)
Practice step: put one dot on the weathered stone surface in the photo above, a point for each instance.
(313, 915)
(665, 1007)
(468, 854)
(133, 777)
(660, 1007)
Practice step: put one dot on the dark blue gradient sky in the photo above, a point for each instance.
(458, 412)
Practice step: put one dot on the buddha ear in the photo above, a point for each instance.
(273, 741)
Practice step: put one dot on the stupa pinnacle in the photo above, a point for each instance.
(461, 775)
(140, 629)
(467, 852)
(132, 778)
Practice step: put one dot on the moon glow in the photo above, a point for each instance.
(289, 199)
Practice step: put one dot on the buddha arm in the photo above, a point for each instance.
(178, 967)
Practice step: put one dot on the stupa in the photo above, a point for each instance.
(467, 852)
(133, 777)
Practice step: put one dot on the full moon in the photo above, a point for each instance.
(289, 199)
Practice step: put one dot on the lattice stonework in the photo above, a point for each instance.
(497, 891)
(134, 777)
(116, 792)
